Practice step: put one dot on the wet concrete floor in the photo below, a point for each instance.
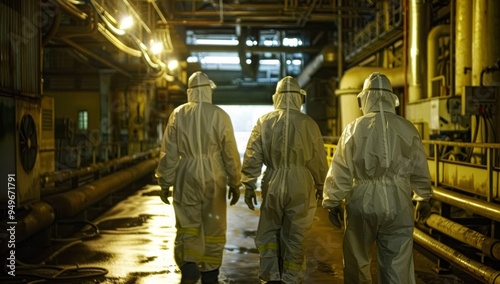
(135, 245)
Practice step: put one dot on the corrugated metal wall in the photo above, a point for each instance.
(20, 46)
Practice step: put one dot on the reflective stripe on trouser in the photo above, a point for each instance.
(394, 240)
(201, 242)
(282, 236)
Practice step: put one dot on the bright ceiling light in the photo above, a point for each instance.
(220, 60)
(217, 41)
(173, 64)
(156, 46)
(192, 59)
(126, 22)
(293, 42)
(269, 42)
(269, 62)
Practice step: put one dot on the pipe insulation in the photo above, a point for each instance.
(68, 174)
(474, 205)
(351, 84)
(40, 216)
(70, 203)
(476, 269)
(489, 246)
(417, 25)
(463, 45)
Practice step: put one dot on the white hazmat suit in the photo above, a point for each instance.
(199, 158)
(379, 162)
(290, 145)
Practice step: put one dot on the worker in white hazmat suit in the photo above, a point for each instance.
(290, 145)
(378, 164)
(199, 158)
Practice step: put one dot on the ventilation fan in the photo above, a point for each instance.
(28, 143)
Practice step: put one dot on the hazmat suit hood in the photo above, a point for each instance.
(200, 88)
(377, 95)
(288, 89)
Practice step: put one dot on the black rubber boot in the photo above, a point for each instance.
(190, 273)
(210, 277)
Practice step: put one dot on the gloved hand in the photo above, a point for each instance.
(319, 194)
(250, 198)
(165, 194)
(336, 216)
(422, 211)
(233, 194)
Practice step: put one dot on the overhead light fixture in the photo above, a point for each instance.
(293, 42)
(155, 46)
(269, 42)
(126, 22)
(220, 60)
(217, 41)
(173, 64)
(269, 62)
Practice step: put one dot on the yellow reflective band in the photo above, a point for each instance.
(292, 266)
(268, 246)
(212, 259)
(193, 253)
(188, 231)
(215, 239)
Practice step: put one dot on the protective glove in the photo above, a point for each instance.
(250, 198)
(233, 194)
(319, 194)
(336, 216)
(422, 211)
(165, 194)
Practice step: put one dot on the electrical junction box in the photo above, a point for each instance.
(445, 115)
(482, 100)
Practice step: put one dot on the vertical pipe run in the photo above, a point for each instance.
(416, 52)
(463, 45)
(486, 40)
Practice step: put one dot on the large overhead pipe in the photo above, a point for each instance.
(351, 84)
(476, 269)
(474, 205)
(489, 246)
